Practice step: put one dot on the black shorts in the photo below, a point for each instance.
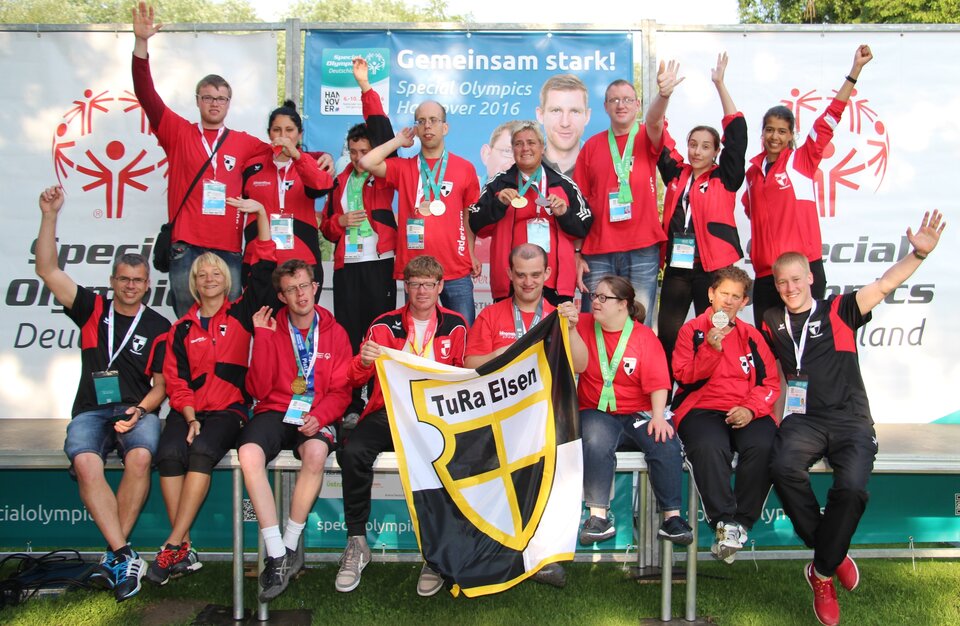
(218, 434)
(268, 431)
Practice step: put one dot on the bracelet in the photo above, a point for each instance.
(192, 421)
(142, 410)
(577, 250)
(919, 256)
(851, 79)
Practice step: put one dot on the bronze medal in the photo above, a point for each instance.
(299, 385)
(519, 202)
(424, 208)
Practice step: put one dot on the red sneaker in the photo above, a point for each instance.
(825, 605)
(848, 574)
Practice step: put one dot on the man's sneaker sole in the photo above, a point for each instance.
(727, 554)
(587, 538)
(157, 578)
(683, 540)
(355, 584)
(176, 572)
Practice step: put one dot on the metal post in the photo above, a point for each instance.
(692, 506)
(237, 544)
(666, 581)
(293, 47)
(263, 608)
(643, 552)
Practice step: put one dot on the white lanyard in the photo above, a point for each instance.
(282, 182)
(136, 320)
(209, 148)
(799, 347)
(687, 213)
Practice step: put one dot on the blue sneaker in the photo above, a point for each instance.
(101, 575)
(127, 572)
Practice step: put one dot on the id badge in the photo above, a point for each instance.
(415, 232)
(299, 406)
(107, 386)
(538, 233)
(682, 253)
(796, 401)
(618, 212)
(281, 231)
(353, 249)
(214, 198)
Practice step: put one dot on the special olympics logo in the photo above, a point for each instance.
(858, 154)
(103, 145)
(375, 62)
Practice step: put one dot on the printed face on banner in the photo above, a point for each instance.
(564, 116)
(497, 156)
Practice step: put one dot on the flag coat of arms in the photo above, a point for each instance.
(491, 460)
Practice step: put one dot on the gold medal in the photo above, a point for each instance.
(438, 208)
(519, 202)
(424, 208)
(299, 385)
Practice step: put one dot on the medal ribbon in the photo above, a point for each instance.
(427, 340)
(209, 149)
(798, 348)
(306, 352)
(136, 320)
(354, 195)
(282, 182)
(429, 178)
(622, 164)
(524, 185)
(518, 319)
(608, 369)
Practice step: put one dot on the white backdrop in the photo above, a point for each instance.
(905, 104)
(67, 99)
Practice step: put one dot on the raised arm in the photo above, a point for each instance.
(56, 280)
(923, 242)
(861, 57)
(667, 81)
(716, 75)
(144, 27)
(375, 160)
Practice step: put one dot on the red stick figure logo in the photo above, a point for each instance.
(103, 145)
(857, 156)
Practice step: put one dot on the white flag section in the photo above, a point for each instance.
(69, 117)
(491, 463)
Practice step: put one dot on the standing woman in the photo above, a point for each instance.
(205, 368)
(780, 199)
(287, 183)
(532, 203)
(698, 207)
(623, 398)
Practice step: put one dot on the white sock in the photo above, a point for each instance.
(598, 511)
(291, 534)
(272, 542)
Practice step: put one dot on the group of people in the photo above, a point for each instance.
(253, 362)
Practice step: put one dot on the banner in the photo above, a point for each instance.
(891, 159)
(69, 117)
(491, 461)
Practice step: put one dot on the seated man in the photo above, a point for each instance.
(298, 375)
(122, 350)
(827, 414)
(499, 325)
(421, 327)
(728, 385)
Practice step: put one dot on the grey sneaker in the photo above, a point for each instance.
(729, 539)
(552, 574)
(350, 420)
(355, 558)
(276, 575)
(429, 582)
(596, 529)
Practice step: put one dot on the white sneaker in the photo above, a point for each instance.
(355, 558)
(728, 540)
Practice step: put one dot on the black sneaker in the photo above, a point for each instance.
(275, 576)
(595, 530)
(677, 530)
(101, 575)
(127, 572)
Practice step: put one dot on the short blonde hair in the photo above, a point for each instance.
(787, 258)
(563, 82)
(523, 125)
(211, 259)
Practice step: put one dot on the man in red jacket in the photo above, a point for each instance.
(421, 327)
(298, 374)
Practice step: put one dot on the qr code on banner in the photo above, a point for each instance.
(248, 513)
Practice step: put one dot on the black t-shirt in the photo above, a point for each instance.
(829, 360)
(136, 363)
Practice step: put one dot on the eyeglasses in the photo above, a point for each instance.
(429, 121)
(616, 101)
(289, 291)
(212, 99)
(127, 280)
(603, 297)
(429, 286)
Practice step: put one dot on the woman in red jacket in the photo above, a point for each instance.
(698, 208)
(779, 199)
(205, 369)
(287, 183)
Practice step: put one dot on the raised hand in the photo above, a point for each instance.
(264, 319)
(928, 235)
(144, 26)
(667, 79)
(51, 200)
(716, 74)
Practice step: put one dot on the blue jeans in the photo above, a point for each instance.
(182, 256)
(640, 267)
(457, 294)
(92, 431)
(602, 435)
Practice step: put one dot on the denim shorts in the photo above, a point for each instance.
(92, 431)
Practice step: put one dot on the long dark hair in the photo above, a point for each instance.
(621, 288)
(289, 109)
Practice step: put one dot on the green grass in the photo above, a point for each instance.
(746, 594)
